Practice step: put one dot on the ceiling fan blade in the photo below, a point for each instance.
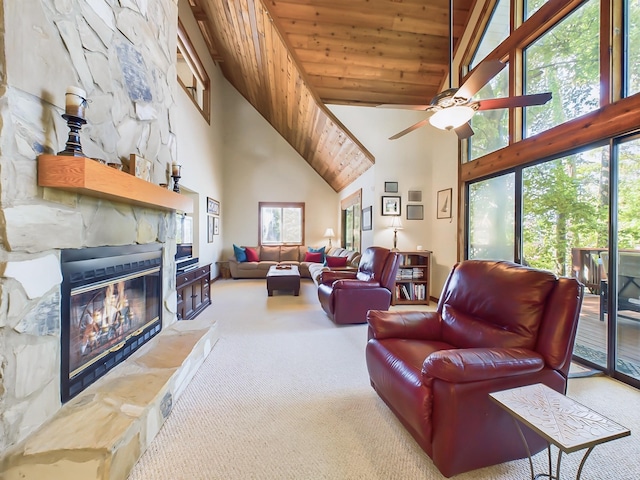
(520, 101)
(404, 107)
(410, 129)
(464, 131)
(479, 77)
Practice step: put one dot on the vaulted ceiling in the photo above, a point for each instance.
(289, 58)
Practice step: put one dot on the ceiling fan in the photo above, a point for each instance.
(453, 108)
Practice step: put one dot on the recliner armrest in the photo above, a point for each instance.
(412, 325)
(330, 276)
(349, 283)
(474, 364)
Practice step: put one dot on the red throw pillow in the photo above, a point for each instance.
(252, 255)
(334, 262)
(313, 257)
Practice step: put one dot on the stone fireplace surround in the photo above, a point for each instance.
(123, 55)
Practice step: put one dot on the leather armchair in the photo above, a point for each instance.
(498, 325)
(346, 296)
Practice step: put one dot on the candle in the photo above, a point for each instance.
(75, 101)
(175, 169)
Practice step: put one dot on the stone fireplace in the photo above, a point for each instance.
(110, 304)
(123, 55)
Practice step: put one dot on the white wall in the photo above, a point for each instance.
(425, 160)
(260, 166)
(200, 146)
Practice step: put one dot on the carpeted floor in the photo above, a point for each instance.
(285, 395)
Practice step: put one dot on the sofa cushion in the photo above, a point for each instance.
(290, 253)
(270, 253)
(318, 250)
(313, 257)
(240, 253)
(252, 254)
(334, 262)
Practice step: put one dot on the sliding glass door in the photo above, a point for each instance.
(555, 215)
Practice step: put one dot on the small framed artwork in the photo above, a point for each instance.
(213, 206)
(216, 225)
(367, 218)
(140, 167)
(444, 203)
(390, 205)
(415, 212)
(390, 187)
(415, 196)
(210, 228)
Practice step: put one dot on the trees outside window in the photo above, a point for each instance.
(491, 127)
(566, 62)
(281, 223)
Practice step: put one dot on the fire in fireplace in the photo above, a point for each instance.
(111, 305)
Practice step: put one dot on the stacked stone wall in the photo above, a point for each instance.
(122, 53)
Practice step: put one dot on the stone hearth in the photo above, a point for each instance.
(102, 432)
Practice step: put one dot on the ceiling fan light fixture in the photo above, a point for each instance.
(451, 117)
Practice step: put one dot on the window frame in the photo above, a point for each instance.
(281, 205)
(185, 47)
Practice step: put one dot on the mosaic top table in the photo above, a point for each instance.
(561, 421)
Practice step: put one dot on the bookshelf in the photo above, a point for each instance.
(413, 279)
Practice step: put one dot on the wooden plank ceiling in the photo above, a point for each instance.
(290, 58)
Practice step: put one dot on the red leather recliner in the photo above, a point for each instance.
(346, 297)
(498, 325)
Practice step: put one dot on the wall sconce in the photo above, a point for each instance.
(328, 233)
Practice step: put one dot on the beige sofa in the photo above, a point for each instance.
(272, 255)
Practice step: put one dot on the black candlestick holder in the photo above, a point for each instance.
(176, 179)
(73, 147)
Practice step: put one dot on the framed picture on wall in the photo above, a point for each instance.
(367, 218)
(390, 187)
(444, 203)
(390, 205)
(216, 225)
(210, 228)
(415, 212)
(213, 206)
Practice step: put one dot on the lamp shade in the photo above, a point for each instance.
(328, 233)
(451, 117)
(396, 223)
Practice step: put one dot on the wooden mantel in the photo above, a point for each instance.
(89, 177)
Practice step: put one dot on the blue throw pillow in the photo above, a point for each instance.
(318, 250)
(240, 253)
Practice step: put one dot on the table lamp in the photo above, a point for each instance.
(396, 224)
(328, 233)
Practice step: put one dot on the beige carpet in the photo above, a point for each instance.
(285, 395)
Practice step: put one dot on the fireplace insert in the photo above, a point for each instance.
(110, 307)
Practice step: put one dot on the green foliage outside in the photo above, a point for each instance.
(565, 201)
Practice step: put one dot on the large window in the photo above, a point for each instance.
(281, 223)
(566, 62)
(491, 219)
(496, 31)
(565, 198)
(351, 215)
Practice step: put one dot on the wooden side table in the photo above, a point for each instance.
(561, 421)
